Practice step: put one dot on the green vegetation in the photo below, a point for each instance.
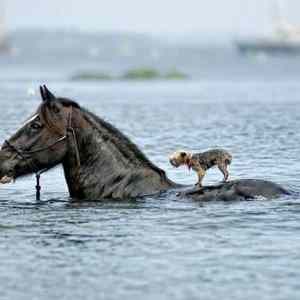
(175, 75)
(133, 74)
(141, 74)
(91, 76)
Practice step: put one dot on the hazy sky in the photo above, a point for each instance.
(155, 16)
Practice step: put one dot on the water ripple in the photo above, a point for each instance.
(162, 247)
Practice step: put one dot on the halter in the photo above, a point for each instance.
(25, 154)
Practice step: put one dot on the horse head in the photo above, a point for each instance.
(42, 141)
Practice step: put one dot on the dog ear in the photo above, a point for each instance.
(183, 154)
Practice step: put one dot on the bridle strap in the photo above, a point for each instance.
(45, 148)
(24, 153)
(11, 146)
(37, 173)
(72, 131)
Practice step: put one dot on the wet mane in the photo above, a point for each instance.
(124, 144)
(68, 102)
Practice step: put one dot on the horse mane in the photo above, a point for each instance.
(129, 149)
(124, 144)
(68, 102)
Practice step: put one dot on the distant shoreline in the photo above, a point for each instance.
(131, 74)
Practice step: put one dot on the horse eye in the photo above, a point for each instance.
(35, 125)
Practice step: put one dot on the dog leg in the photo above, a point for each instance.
(201, 174)
(223, 168)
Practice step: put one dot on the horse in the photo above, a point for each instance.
(98, 160)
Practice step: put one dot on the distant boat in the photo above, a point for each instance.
(285, 37)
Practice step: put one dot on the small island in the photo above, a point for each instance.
(132, 74)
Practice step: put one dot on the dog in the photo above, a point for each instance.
(201, 162)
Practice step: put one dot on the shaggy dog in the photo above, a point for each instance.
(201, 162)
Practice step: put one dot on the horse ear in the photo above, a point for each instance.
(49, 96)
(42, 92)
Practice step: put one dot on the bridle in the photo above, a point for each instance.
(26, 154)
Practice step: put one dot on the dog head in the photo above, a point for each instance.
(178, 158)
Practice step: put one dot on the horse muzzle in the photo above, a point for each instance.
(7, 176)
(6, 179)
(7, 167)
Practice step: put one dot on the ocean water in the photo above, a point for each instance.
(157, 247)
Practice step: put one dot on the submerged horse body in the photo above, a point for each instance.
(99, 161)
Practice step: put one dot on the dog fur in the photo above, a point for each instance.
(201, 162)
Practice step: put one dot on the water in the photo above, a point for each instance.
(160, 248)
